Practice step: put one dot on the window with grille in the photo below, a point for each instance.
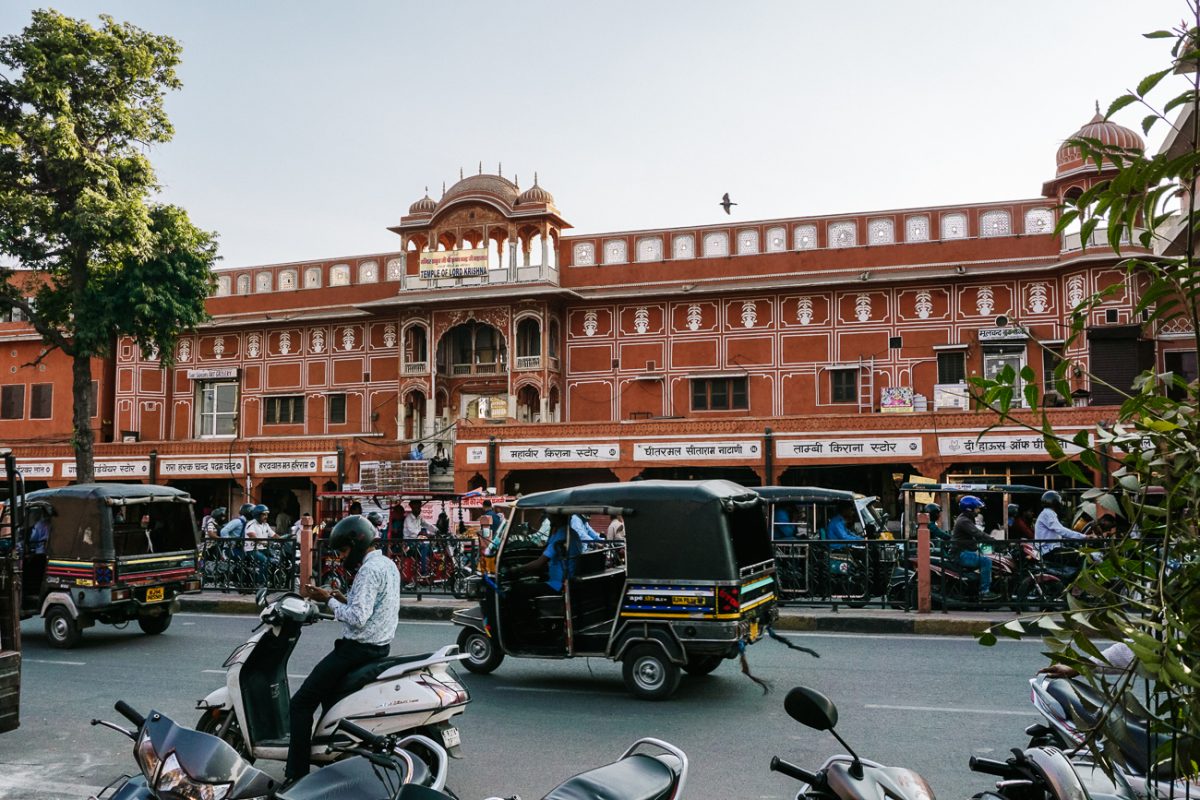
(41, 401)
(12, 402)
(719, 394)
(337, 409)
(843, 385)
(951, 367)
(283, 409)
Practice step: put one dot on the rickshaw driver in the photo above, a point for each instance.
(562, 548)
(838, 528)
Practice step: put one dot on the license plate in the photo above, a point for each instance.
(451, 737)
(154, 594)
(753, 631)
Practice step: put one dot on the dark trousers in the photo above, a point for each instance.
(317, 690)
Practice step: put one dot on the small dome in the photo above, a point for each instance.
(536, 194)
(426, 205)
(1107, 132)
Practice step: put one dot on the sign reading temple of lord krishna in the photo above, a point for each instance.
(695, 451)
(454, 264)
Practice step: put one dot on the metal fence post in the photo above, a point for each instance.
(924, 605)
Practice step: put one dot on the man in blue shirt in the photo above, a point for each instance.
(562, 548)
(417, 453)
(838, 527)
(784, 527)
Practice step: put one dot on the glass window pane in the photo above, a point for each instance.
(226, 398)
(699, 395)
(739, 393)
(719, 394)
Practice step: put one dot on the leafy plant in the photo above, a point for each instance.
(88, 253)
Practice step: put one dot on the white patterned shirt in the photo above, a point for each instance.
(372, 609)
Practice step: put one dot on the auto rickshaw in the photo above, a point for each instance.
(697, 582)
(850, 573)
(106, 552)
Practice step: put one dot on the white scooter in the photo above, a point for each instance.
(412, 694)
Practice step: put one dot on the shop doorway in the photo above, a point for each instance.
(527, 481)
(287, 498)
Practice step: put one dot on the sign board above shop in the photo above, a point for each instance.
(112, 469)
(561, 453)
(201, 467)
(1011, 333)
(696, 450)
(212, 373)
(842, 447)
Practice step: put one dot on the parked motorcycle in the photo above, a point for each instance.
(177, 763)
(396, 694)
(1038, 773)
(1072, 709)
(951, 584)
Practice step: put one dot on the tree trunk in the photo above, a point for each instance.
(81, 394)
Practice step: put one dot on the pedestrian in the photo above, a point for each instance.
(369, 616)
(417, 453)
(965, 541)
(616, 529)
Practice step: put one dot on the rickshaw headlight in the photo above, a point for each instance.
(173, 779)
(146, 757)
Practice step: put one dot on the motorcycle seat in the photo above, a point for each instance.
(357, 678)
(636, 777)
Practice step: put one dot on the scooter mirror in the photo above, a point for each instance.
(811, 708)
(260, 598)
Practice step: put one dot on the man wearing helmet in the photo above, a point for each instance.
(965, 540)
(1049, 530)
(935, 530)
(258, 531)
(369, 615)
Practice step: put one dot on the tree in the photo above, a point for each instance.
(90, 255)
(1143, 589)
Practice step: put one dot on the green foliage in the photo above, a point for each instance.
(1143, 589)
(79, 225)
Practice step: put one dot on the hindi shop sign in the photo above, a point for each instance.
(454, 264)
(809, 449)
(37, 469)
(1028, 445)
(214, 467)
(560, 453)
(285, 465)
(112, 469)
(695, 451)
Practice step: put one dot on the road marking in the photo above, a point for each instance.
(945, 710)
(51, 661)
(908, 637)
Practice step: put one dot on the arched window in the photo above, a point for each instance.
(416, 349)
(995, 223)
(339, 275)
(262, 282)
(243, 284)
(716, 245)
(954, 226)
(843, 234)
(1039, 220)
(529, 343)
(805, 237)
(395, 269)
(368, 272)
(776, 240)
(683, 247)
(287, 280)
(650, 249)
(312, 278)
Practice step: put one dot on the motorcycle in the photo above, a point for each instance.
(633, 775)
(1038, 773)
(408, 693)
(1072, 709)
(951, 584)
(181, 764)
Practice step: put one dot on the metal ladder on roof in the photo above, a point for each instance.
(866, 388)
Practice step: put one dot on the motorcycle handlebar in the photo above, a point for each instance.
(990, 767)
(792, 771)
(127, 711)
(360, 733)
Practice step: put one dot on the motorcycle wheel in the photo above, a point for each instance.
(483, 654)
(1032, 594)
(211, 722)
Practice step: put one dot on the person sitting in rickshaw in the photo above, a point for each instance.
(838, 527)
(562, 549)
(784, 519)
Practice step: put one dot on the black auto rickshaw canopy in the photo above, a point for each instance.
(681, 530)
(805, 494)
(81, 518)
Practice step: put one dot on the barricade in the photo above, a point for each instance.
(228, 565)
(438, 565)
(822, 572)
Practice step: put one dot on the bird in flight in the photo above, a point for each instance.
(726, 202)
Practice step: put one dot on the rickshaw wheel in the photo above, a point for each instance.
(62, 629)
(649, 674)
(698, 666)
(483, 655)
(152, 626)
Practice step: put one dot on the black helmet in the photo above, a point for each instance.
(219, 513)
(355, 532)
(1013, 509)
(1052, 499)
(247, 510)
(933, 510)
(259, 510)
(375, 518)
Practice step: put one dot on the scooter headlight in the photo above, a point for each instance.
(173, 780)
(146, 757)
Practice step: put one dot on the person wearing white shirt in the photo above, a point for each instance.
(1048, 530)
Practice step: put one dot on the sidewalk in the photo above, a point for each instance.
(791, 618)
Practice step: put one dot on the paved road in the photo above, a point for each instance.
(923, 702)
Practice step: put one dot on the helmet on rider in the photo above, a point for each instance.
(933, 510)
(247, 510)
(970, 503)
(356, 533)
(259, 510)
(219, 514)
(375, 518)
(1014, 510)
(1052, 499)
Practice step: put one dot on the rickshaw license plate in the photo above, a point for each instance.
(451, 737)
(154, 594)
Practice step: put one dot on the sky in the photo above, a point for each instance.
(304, 129)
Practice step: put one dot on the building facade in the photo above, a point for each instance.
(829, 350)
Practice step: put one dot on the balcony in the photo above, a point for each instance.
(1073, 241)
(474, 369)
(528, 363)
(416, 367)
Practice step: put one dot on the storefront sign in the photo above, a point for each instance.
(476, 455)
(896, 400)
(213, 373)
(329, 464)
(111, 469)
(607, 451)
(848, 448)
(1027, 445)
(695, 451)
(201, 467)
(1012, 333)
(454, 264)
(285, 465)
(39, 469)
